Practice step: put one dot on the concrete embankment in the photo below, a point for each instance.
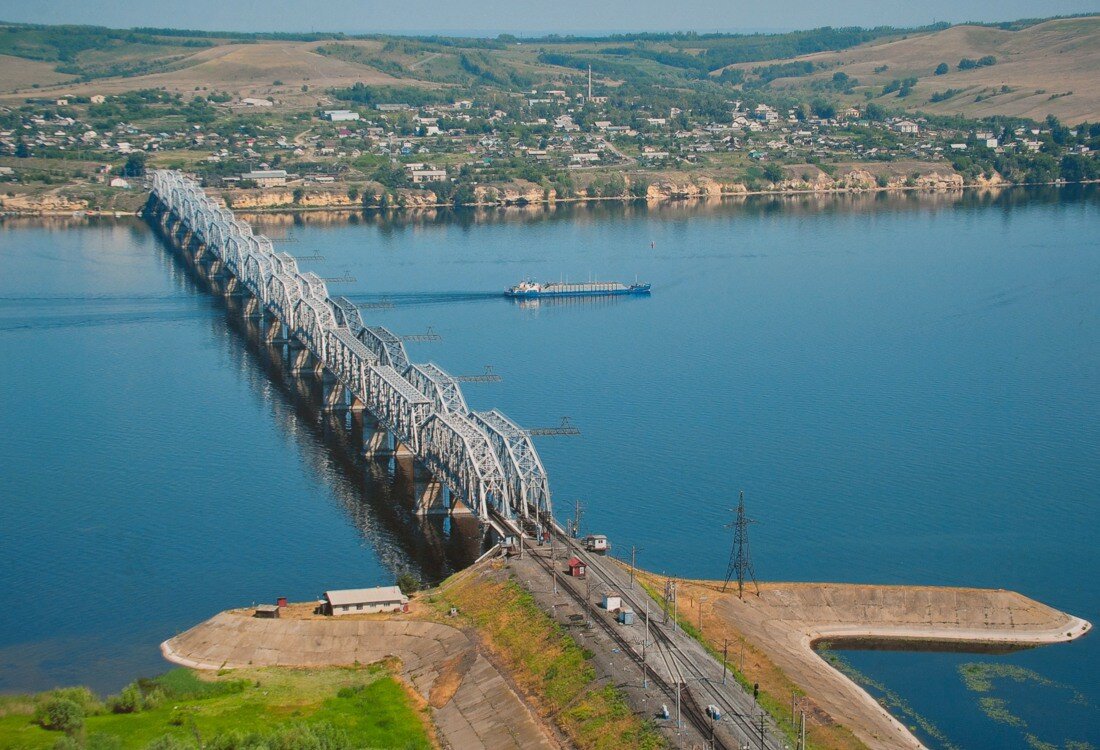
(473, 705)
(786, 620)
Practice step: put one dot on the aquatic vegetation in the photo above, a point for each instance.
(997, 709)
(889, 699)
(979, 677)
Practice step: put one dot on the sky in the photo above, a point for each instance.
(491, 17)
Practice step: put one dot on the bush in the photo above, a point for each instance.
(61, 714)
(942, 69)
(129, 701)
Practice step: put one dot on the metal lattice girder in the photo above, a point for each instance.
(347, 314)
(285, 263)
(522, 466)
(437, 385)
(313, 286)
(283, 294)
(460, 454)
(258, 267)
(397, 405)
(386, 345)
(349, 360)
(311, 320)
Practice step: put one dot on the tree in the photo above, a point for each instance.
(353, 193)
(135, 165)
(942, 69)
(774, 173)
(824, 109)
(464, 195)
(298, 194)
(22, 151)
(408, 583)
(62, 714)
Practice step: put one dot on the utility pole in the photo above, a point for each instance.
(645, 642)
(740, 563)
(725, 647)
(575, 524)
(633, 552)
(589, 81)
(675, 606)
(587, 599)
(802, 733)
(761, 730)
(702, 598)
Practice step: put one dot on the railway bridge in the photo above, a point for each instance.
(483, 460)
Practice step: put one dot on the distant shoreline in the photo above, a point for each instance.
(580, 200)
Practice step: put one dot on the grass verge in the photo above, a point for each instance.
(546, 663)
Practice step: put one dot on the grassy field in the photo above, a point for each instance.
(547, 663)
(363, 707)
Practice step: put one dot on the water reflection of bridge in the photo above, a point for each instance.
(411, 418)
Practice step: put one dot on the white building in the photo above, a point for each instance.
(428, 175)
(365, 601)
(341, 115)
(266, 177)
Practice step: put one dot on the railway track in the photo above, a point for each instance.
(689, 708)
(678, 663)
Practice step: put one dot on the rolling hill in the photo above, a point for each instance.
(1049, 68)
(1040, 68)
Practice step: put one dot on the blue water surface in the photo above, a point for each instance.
(906, 389)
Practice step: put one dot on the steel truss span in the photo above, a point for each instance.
(485, 459)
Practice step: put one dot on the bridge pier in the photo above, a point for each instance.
(299, 357)
(252, 307)
(337, 398)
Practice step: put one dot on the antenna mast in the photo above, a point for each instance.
(740, 563)
(589, 81)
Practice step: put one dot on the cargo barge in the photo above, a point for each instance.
(535, 290)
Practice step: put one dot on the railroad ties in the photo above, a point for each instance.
(482, 459)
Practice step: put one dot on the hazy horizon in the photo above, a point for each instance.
(494, 17)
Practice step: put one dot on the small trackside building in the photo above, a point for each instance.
(365, 601)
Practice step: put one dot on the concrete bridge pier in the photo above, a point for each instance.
(252, 307)
(432, 497)
(274, 331)
(336, 398)
(300, 357)
(379, 442)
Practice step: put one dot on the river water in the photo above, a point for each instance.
(906, 388)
